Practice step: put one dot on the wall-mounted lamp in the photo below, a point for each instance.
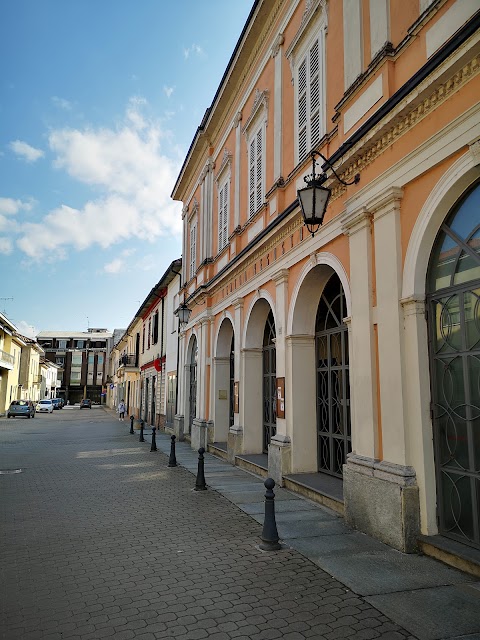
(183, 313)
(314, 197)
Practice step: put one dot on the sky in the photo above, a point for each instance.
(99, 103)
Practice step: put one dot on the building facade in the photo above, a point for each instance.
(10, 351)
(344, 361)
(82, 357)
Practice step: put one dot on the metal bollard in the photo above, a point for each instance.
(132, 418)
(270, 533)
(142, 424)
(172, 461)
(200, 484)
(154, 441)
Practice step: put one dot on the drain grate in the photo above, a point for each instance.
(8, 472)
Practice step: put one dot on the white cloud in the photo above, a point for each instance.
(115, 266)
(134, 176)
(168, 91)
(61, 103)
(6, 245)
(9, 206)
(195, 49)
(26, 151)
(26, 329)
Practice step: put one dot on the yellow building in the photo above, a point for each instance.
(10, 350)
(344, 363)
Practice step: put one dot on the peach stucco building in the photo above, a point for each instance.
(344, 363)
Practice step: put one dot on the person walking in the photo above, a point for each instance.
(121, 410)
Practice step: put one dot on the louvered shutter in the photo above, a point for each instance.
(220, 218)
(193, 249)
(259, 164)
(251, 179)
(302, 110)
(314, 94)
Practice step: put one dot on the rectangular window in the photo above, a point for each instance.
(62, 344)
(255, 171)
(193, 249)
(155, 328)
(310, 121)
(80, 344)
(223, 206)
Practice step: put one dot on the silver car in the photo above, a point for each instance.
(24, 408)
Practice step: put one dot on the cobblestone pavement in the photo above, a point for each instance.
(99, 539)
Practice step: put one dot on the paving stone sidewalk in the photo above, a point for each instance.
(99, 539)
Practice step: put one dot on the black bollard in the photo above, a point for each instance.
(141, 439)
(172, 461)
(154, 441)
(200, 484)
(270, 533)
(132, 418)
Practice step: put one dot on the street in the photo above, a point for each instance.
(99, 539)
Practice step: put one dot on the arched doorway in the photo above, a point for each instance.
(192, 393)
(224, 370)
(453, 316)
(332, 377)
(269, 382)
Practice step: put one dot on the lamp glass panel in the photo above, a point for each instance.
(311, 197)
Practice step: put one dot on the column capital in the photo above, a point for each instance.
(385, 202)
(281, 276)
(413, 305)
(355, 220)
(238, 303)
(237, 119)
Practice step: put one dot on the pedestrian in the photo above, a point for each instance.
(121, 410)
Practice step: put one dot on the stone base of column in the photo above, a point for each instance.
(178, 427)
(234, 443)
(279, 458)
(202, 433)
(381, 499)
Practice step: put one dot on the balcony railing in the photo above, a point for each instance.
(6, 360)
(129, 360)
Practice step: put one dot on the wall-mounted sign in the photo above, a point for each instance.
(280, 397)
(236, 400)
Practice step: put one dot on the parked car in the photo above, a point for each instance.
(57, 403)
(24, 408)
(45, 406)
(86, 403)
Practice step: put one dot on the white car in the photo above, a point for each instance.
(45, 405)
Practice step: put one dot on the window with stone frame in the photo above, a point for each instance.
(256, 169)
(306, 55)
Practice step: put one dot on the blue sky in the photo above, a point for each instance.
(99, 102)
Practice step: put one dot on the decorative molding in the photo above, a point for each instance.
(278, 42)
(474, 149)
(195, 207)
(402, 475)
(226, 164)
(184, 211)
(260, 102)
(407, 121)
(413, 306)
(281, 277)
(237, 120)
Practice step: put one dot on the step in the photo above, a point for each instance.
(217, 451)
(452, 553)
(251, 467)
(319, 496)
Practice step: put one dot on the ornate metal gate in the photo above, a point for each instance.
(333, 385)
(453, 313)
(193, 385)
(269, 382)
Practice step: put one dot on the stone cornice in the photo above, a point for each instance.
(356, 220)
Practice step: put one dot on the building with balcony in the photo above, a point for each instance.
(82, 357)
(342, 359)
(30, 376)
(10, 350)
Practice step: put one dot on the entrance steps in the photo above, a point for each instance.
(452, 553)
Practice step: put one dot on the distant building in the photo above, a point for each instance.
(82, 356)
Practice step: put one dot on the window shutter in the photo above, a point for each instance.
(302, 110)
(314, 94)
(259, 194)
(193, 249)
(220, 219)
(251, 179)
(223, 217)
